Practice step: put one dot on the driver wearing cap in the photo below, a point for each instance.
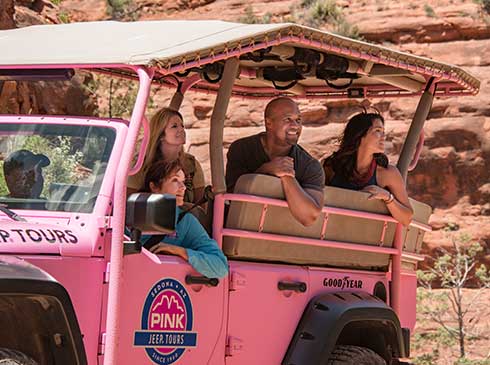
(23, 174)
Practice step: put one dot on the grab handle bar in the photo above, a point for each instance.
(201, 280)
(299, 287)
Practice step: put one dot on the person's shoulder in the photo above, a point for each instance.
(390, 171)
(306, 157)
(245, 143)
(248, 139)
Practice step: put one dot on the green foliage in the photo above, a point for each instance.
(427, 359)
(466, 361)
(122, 10)
(3, 185)
(122, 96)
(323, 14)
(56, 2)
(115, 96)
(64, 17)
(251, 18)
(484, 4)
(429, 11)
(453, 271)
(64, 161)
(325, 11)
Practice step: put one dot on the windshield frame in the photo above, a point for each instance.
(103, 203)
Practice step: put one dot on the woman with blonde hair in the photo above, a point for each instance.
(167, 139)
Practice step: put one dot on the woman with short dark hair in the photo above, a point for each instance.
(190, 241)
(360, 164)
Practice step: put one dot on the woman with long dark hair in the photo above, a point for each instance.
(360, 164)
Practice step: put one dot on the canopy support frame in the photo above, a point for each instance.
(416, 128)
(217, 125)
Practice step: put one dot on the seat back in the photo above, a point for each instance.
(279, 220)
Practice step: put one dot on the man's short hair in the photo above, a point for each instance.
(269, 109)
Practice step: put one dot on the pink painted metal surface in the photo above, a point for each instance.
(25, 237)
(396, 252)
(114, 316)
(218, 218)
(262, 319)
(207, 311)
(308, 241)
(407, 308)
(396, 268)
(86, 228)
(143, 147)
(83, 279)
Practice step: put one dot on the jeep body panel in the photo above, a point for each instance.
(37, 315)
(83, 279)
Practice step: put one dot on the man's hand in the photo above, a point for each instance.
(279, 166)
(168, 249)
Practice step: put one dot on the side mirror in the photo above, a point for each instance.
(151, 213)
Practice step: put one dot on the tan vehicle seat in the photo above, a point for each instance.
(246, 216)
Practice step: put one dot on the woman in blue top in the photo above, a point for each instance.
(190, 241)
(360, 164)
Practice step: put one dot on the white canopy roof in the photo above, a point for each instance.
(177, 46)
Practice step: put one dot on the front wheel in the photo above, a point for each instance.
(14, 357)
(354, 355)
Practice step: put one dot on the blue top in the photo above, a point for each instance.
(204, 254)
(339, 182)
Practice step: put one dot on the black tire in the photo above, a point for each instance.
(14, 357)
(354, 355)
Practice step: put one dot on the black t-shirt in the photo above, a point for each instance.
(247, 154)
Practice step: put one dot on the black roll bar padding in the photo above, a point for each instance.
(48, 74)
(413, 135)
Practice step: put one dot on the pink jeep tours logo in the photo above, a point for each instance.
(166, 323)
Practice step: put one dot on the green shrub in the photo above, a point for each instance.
(251, 18)
(64, 161)
(122, 9)
(448, 309)
(64, 17)
(323, 14)
(325, 11)
(484, 4)
(429, 11)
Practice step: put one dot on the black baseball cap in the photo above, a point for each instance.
(25, 160)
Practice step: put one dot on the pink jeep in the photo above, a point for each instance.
(75, 290)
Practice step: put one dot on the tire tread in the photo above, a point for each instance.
(354, 355)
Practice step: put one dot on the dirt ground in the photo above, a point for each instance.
(431, 345)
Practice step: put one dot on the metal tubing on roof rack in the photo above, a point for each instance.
(413, 135)
(217, 125)
(115, 276)
(182, 88)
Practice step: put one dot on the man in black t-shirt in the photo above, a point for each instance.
(277, 153)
